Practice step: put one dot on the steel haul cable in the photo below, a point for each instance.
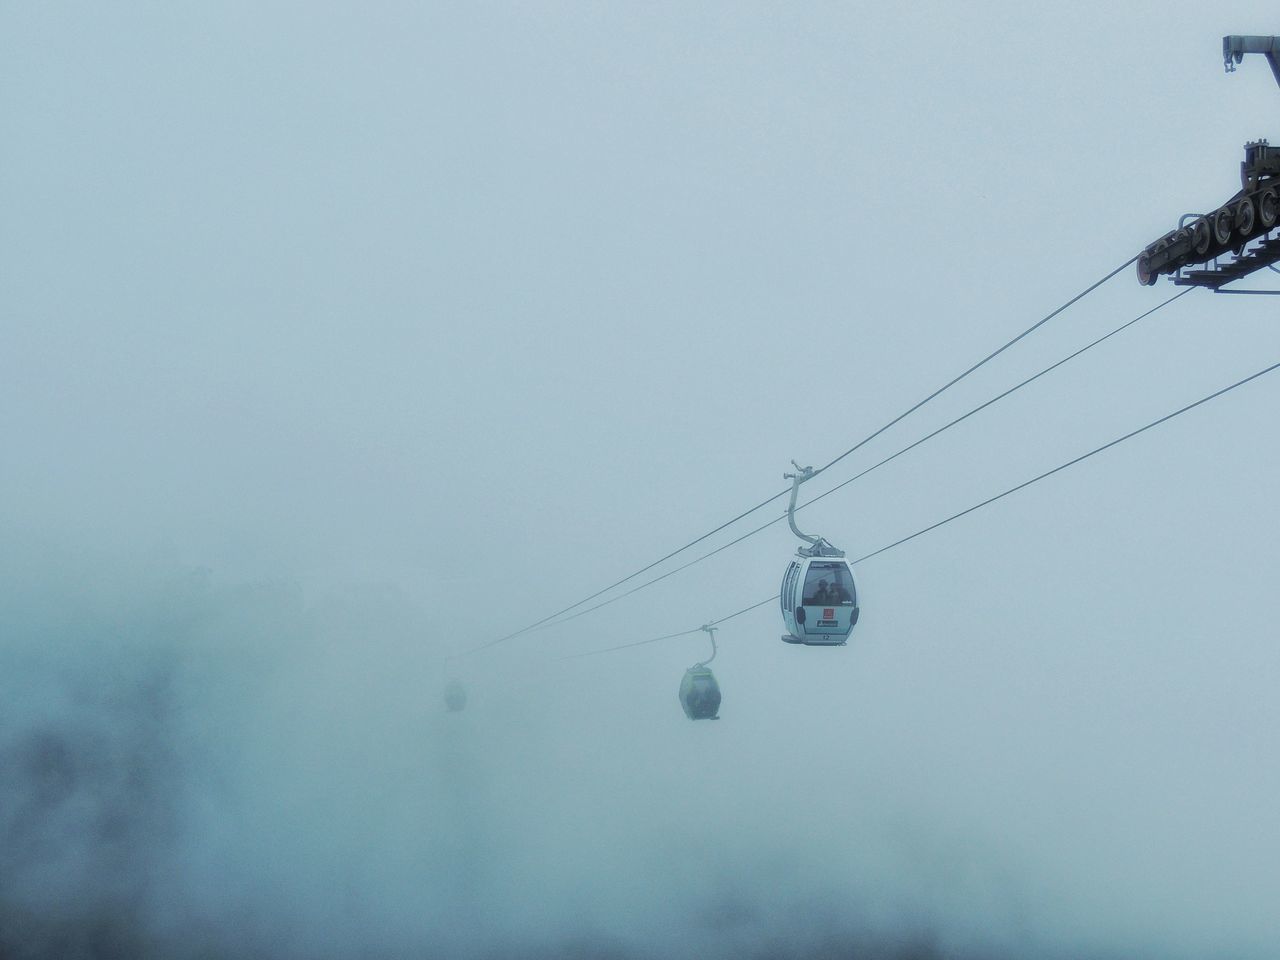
(764, 503)
(990, 500)
(1071, 463)
(671, 636)
(863, 473)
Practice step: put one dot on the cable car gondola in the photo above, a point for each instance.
(699, 692)
(455, 696)
(819, 598)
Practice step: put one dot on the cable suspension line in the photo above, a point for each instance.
(863, 473)
(1071, 463)
(781, 493)
(638, 643)
(991, 356)
(977, 506)
(670, 636)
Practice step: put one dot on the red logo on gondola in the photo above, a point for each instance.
(828, 613)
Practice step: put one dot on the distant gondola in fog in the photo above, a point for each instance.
(699, 692)
(455, 696)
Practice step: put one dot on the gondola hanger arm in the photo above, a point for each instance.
(711, 632)
(818, 547)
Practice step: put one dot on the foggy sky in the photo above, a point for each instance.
(336, 339)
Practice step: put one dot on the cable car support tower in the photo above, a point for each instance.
(1193, 253)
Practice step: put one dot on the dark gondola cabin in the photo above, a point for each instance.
(700, 694)
(455, 696)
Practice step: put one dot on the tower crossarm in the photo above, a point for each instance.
(1235, 47)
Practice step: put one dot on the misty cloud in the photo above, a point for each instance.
(339, 340)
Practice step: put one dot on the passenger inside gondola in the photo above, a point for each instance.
(827, 584)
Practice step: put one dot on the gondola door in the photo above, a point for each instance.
(827, 607)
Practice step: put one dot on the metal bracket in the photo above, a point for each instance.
(1182, 276)
(1235, 47)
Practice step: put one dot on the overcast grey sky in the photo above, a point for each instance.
(335, 338)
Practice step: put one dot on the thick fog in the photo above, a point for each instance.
(338, 341)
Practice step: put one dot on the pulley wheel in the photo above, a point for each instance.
(1244, 217)
(1146, 276)
(1268, 207)
(1201, 236)
(1223, 222)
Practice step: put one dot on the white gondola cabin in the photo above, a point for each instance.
(818, 596)
(819, 601)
